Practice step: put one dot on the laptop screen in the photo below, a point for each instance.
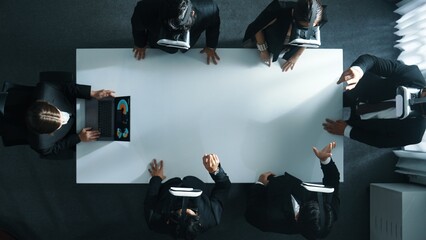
(122, 119)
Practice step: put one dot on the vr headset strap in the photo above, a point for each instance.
(321, 208)
(311, 22)
(417, 101)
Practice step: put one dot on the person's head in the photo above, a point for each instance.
(179, 15)
(302, 13)
(187, 227)
(43, 118)
(309, 220)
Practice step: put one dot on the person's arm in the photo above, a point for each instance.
(397, 134)
(331, 173)
(221, 187)
(151, 216)
(291, 62)
(43, 146)
(139, 29)
(331, 179)
(213, 29)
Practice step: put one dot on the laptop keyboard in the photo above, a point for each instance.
(105, 118)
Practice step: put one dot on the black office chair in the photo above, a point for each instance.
(57, 76)
(14, 101)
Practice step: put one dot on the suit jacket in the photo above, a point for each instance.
(277, 31)
(159, 202)
(379, 83)
(269, 207)
(147, 22)
(62, 95)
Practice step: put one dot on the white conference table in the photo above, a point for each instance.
(255, 118)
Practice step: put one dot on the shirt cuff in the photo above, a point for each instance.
(347, 132)
(327, 161)
(357, 68)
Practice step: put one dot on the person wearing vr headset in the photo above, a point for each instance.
(271, 30)
(281, 204)
(165, 213)
(382, 97)
(155, 19)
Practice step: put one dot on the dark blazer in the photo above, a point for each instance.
(146, 23)
(277, 31)
(379, 83)
(269, 207)
(158, 201)
(62, 95)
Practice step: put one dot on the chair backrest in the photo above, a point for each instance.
(3, 96)
(16, 102)
(56, 76)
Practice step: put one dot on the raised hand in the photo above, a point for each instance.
(211, 162)
(351, 76)
(157, 169)
(325, 152)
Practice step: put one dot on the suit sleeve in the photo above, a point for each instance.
(212, 31)
(331, 179)
(404, 75)
(398, 132)
(67, 142)
(153, 219)
(265, 17)
(139, 25)
(219, 192)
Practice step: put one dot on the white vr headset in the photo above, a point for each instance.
(181, 41)
(408, 102)
(185, 192)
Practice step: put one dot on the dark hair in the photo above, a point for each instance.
(178, 14)
(309, 217)
(42, 117)
(309, 220)
(302, 10)
(188, 228)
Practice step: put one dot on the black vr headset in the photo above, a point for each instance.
(409, 102)
(175, 30)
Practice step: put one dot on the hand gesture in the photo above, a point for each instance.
(156, 169)
(335, 127)
(102, 94)
(263, 178)
(289, 64)
(88, 135)
(139, 53)
(211, 162)
(265, 57)
(211, 54)
(351, 76)
(325, 152)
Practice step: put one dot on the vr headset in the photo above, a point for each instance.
(409, 102)
(185, 194)
(309, 37)
(175, 31)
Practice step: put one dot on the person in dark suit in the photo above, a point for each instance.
(372, 80)
(271, 30)
(162, 210)
(51, 117)
(280, 204)
(150, 17)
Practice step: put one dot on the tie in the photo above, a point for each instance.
(374, 107)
